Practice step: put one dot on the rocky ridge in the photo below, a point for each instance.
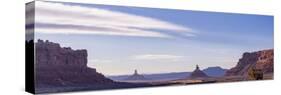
(262, 60)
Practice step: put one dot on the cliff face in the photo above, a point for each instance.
(261, 60)
(57, 66)
(49, 53)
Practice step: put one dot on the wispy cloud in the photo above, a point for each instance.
(159, 57)
(59, 18)
(100, 61)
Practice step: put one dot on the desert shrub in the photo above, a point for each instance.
(255, 74)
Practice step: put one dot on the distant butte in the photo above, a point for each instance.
(197, 73)
(136, 76)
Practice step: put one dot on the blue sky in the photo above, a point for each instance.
(121, 39)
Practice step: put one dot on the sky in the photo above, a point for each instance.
(121, 39)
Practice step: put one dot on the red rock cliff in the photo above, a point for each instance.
(261, 59)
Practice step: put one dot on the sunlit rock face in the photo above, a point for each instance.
(262, 60)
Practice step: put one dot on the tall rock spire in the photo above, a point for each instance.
(197, 73)
(197, 67)
(136, 72)
(136, 76)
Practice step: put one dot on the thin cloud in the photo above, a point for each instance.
(62, 18)
(159, 57)
(100, 61)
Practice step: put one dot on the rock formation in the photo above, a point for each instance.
(197, 73)
(136, 76)
(215, 71)
(262, 60)
(57, 66)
